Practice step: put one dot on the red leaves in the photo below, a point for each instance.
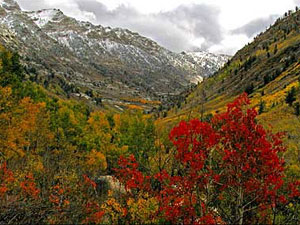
(249, 153)
(233, 158)
(89, 182)
(162, 176)
(58, 197)
(95, 214)
(294, 189)
(282, 199)
(207, 220)
(6, 177)
(129, 174)
(193, 140)
(29, 188)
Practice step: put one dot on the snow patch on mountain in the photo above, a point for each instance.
(203, 58)
(113, 62)
(43, 17)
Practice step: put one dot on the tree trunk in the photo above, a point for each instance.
(240, 207)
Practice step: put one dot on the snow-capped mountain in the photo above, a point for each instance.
(113, 62)
(209, 61)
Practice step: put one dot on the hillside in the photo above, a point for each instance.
(64, 161)
(109, 65)
(267, 69)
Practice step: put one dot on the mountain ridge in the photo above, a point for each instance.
(112, 62)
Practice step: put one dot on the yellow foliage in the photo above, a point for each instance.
(117, 121)
(65, 110)
(96, 161)
(68, 177)
(113, 210)
(98, 131)
(5, 95)
(294, 171)
(142, 209)
(135, 107)
(24, 126)
(35, 164)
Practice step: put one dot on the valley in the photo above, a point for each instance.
(99, 64)
(102, 125)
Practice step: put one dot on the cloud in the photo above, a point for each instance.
(177, 29)
(201, 21)
(255, 26)
(230, 43)
(33, 5)
(69, 7)
(184, 27)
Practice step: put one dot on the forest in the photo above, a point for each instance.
(55, 155)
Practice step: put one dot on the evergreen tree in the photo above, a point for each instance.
(291, 96)
(262, 107)
(11, 73)
(249, 89)
(275, 49)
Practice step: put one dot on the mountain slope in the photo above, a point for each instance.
(267, 69)
(112, 64)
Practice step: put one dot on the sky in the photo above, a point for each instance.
(218, 26)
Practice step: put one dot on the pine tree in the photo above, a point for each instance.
(291, 96)
(262, 107)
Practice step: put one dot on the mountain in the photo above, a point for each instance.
(268, 69)
(95, 62)
(209, 61)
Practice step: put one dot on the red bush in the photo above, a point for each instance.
(227, 170)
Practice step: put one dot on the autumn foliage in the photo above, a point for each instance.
(6, 178)
(62, 163)
(228, 171)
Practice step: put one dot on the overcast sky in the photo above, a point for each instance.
(219, 26)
